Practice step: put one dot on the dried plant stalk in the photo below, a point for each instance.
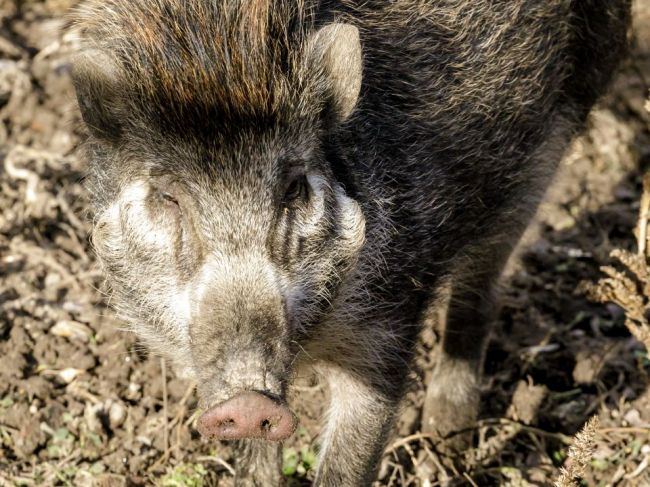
(642, 225)
(630, 288)
(580, 454)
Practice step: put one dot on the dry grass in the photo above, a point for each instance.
(580, 455)
(629, 288)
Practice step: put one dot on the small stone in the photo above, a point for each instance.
(92, 414)
(110, 480)
(11, 263)
(144, 440)
(586, 369)
(133, 392)
(633, 418)
(72, 330)
(116, 413)
(28, 438)
(69, 374)
(526, 401)
(52, 279)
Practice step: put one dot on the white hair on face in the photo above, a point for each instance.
(312, 223)
(353, 223)
(220, 271)
(132, 207)
(181, 309)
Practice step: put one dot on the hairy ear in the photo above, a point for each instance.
(96, 81)
(336, 49)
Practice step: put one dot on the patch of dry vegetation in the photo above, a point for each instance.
(580, 454)
(629, 288)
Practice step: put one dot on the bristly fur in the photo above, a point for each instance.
(240, 65)
(204, 114)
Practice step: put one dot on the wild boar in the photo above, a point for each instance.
(278, 183)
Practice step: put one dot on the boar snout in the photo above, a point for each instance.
(248, 415)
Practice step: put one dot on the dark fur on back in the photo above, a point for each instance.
(599, 31)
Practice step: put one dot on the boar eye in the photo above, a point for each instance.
(297, 191)
(169, 200)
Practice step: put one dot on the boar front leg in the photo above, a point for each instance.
(258, 463)
(452, 398)
(357, 425)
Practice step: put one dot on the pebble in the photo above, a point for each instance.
(144, 440)
(91, 416)
(72, 330)
(11, 263)
(116, 413)
(134, 391)
(69, 374)
(633, 418)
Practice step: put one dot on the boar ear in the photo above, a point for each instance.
(337, 50)
(96, 81)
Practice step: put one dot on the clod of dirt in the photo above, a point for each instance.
(526, 402)
(116, 414)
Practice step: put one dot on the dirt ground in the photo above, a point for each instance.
(83, 404)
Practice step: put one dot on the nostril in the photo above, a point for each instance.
(270, 424)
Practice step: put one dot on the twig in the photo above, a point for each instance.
(21, 480)
(393, 474)
(567, 440)
(30, 177)
(638, 470)
(409, 439)
(76, 390)
(218, 460)
(176, 422)
(469, 479)
(72, 218)
(644, 211)
(6, 426)
(442, 471)
(163, 369)
(166, 450)
(625, 430)
(181, 405)
(414, 459)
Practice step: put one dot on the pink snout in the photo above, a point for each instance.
(248, 415)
